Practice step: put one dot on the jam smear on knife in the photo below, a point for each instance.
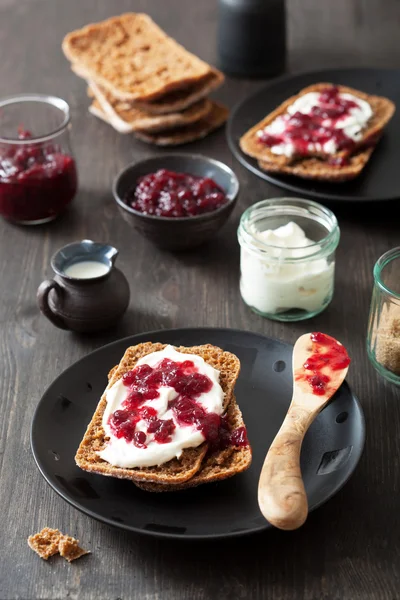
(326, 352)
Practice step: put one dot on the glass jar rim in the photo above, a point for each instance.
(380, 264)
(295, 203)
(55, 101)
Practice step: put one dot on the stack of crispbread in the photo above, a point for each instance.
(141, 81)
(196, 465)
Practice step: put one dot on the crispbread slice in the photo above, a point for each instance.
(174, 471)
(132, 57)
(383, 110)
(216, 465)
(176, 100)
(180, 135)
(125, 118)
(321, 170)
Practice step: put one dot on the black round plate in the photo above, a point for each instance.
(331, 449)
(379, 180)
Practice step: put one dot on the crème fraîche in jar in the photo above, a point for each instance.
(287, 258)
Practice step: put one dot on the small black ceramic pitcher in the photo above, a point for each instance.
(251, 38)
(88, 292)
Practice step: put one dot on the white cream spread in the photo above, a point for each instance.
(271, 283)
(120, 453)
(352, 123)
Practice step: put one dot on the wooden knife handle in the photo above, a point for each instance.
(281, 495)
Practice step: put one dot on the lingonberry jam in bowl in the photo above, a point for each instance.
(178, 201)
(38, 176)
(171, 194)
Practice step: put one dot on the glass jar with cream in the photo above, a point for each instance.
(287, 258)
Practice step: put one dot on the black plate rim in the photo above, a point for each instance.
(175, 536)
(250, 164)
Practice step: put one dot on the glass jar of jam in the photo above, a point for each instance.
(38, 176)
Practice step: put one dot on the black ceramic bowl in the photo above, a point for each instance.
(177, 233)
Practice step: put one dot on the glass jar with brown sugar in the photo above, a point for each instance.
(383, 339)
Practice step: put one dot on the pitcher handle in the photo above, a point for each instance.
(43, 302)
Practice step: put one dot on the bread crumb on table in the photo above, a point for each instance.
(45, 543)
(69, 548)
(48, 542)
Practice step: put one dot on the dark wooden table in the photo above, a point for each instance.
(349, 548)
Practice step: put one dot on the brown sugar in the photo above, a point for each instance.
(388, 339)
(48, 542)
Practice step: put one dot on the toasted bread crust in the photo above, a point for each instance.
(217, 465)
(133, 58)
(382, 108)
(174, 471)
(317, 169)
(125, 118)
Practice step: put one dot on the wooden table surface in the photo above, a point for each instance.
(349, 548)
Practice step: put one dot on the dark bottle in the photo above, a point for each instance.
(251, 38)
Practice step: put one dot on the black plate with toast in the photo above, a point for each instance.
(330, 453)
(379, 179)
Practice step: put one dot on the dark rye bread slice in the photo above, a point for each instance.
(321, 170)
(132, 57)
(216, 465)
(125, 118)
(175, 470)
(176, 100)
(382, 108)
(179, 135)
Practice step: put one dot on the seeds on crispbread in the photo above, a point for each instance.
(174, 471)
(133, 58)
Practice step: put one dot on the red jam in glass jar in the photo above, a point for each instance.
(38, 175)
